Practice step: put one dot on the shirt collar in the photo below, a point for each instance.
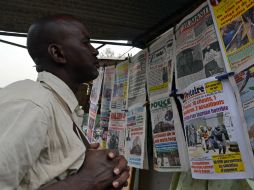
(60, 88)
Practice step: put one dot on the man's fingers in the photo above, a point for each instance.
(121, 166)
(113, 154)
(121, 180)
(94, 146)
(125, 184)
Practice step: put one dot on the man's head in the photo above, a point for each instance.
(61, 45)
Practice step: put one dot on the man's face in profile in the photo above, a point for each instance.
(80, 54)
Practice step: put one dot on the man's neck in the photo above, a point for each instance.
(74, 86)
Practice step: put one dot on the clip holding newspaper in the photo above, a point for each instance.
(213, 128)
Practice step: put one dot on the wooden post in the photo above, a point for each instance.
(131, 180)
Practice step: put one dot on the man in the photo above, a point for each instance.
(220, 134)
(41, 143)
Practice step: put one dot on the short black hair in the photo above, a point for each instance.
(44, 32)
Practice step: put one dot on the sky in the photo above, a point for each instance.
(16, 64)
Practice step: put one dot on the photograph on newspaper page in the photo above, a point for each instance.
(116, 131)
(168, 155)
(160, 65)
(97, 130)
(198, 53)
(213, 128)
(135, 137)
(91, 122)
(137, 79)
(234, 21)
(120, 90)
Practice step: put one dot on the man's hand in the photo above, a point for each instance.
(94, 146)
(101, 170)
(121, 170)
(97, 169)
(96, 173)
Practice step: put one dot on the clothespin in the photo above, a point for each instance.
(224, 76)
(104, 65)
(173, 93)
(146, 103)
(129, 58)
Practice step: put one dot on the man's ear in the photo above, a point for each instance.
(56, 53)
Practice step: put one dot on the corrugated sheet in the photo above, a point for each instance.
(135, 20)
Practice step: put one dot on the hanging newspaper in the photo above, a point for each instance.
(235, 27)
(108, 83)
(170, 153)
(135, 140)
(245, 84)
(116, 131)
(137, 79)
(91, 121)
(198, 54)
(213, 128)
(160, 65)
(96, 89)
(120, 90)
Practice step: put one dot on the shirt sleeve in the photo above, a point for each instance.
(23, 129)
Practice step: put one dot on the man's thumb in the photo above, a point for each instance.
(94, 146)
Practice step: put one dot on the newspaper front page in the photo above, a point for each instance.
(96, 89)
(120, 90)
(213, 128)
(245, 84)
(118, 110)
(235, 27)
(137, 79)
(108, 84)
(135, 140)
(198, 53)
(160, 65)
(94, 99)
(116, 131)
(168, 154)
